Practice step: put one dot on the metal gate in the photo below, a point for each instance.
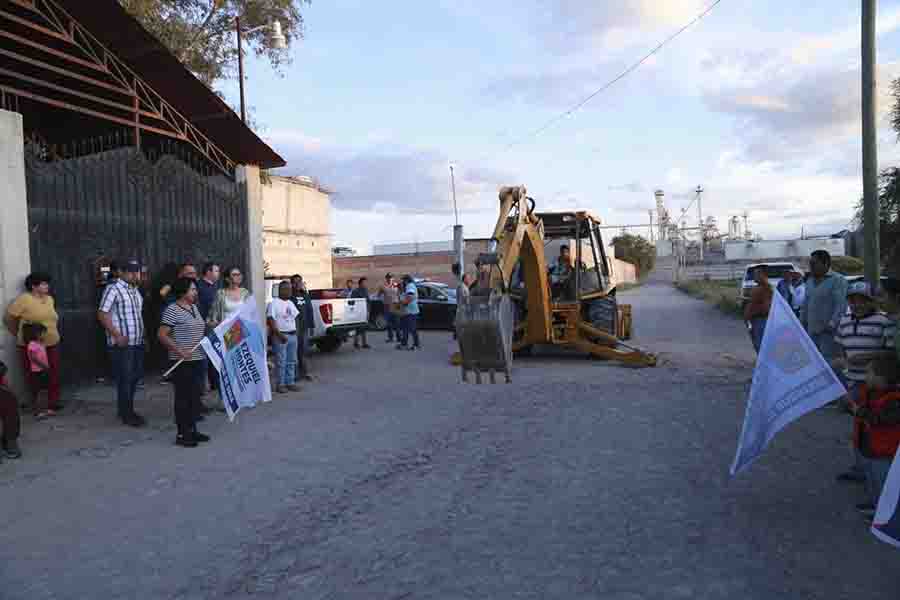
(106, 198)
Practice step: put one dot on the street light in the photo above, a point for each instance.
(277, 39)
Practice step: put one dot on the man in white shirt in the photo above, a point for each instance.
(281, 317)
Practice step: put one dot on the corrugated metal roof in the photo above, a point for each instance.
(127, 39)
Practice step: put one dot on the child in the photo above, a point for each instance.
(9, 418)
(38, 366)
(877, 426)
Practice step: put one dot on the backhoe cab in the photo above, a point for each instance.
(568, 299)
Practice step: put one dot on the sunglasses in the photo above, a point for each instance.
(234, 274)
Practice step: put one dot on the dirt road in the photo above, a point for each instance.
(389, 479)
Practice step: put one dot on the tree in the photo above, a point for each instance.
(636, 250)
(201, 33)
(889, 179)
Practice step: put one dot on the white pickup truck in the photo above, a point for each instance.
(336, 317)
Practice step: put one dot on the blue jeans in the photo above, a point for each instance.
(285, 359)
(759, 329)
(392, 327)
(127, 370)
(409, 328)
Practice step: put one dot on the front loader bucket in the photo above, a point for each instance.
(484, 327)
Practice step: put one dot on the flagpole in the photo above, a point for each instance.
(178, 364)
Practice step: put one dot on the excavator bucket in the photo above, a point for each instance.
(484, 327)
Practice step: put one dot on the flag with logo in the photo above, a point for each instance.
(791, 379)
(237, 349)
(886, 522)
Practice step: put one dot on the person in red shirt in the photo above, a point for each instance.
(9, 418)
(876, 428)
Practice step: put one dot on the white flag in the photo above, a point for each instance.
(791, 379)
(237, 349)
(886, 523)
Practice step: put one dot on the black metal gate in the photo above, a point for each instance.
(106, 198)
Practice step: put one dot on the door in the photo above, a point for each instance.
(426, 306)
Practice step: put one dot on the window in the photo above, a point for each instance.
(298, 243)
(424, 292)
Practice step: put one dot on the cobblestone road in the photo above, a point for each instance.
(388, 479)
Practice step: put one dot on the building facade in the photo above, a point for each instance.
(297, 229)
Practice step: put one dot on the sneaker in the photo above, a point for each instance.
(401, 347)
(11, 450)
(306, 377)
(201, 437)
(367, 347)
(293, 388)
(414, 348)
(186, 441)
(281, 389)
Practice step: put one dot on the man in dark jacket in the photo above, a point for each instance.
(305, 324)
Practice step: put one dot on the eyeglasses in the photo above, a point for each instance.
(235, 274)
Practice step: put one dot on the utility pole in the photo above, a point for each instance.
(871, 220)
(458, 240)
(650, 212)
(699, 191)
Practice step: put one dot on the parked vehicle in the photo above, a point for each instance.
(437, 307)
(776, 271)
(336, 317)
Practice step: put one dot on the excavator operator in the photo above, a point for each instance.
(561, 280)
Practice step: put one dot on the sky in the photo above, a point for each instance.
(758, 103)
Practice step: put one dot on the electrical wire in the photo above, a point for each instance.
(630, 69)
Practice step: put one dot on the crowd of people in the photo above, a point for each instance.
(169, 317)
(846, 323)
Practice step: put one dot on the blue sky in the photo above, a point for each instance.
(759, 103)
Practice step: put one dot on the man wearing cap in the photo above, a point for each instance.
(120, 314)
(390, 296)
(865, 334)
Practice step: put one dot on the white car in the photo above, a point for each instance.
(336, 316)
(776, 271)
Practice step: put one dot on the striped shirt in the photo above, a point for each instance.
(123, 303)
(872, 334)
(188, 329)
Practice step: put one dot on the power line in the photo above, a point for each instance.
(633, 67)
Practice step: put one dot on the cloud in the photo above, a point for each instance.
(387, 177)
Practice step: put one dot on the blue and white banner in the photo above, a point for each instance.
(237, 349)
(791, 379)
(886, 523)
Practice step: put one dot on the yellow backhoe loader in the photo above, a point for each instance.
(521, 300)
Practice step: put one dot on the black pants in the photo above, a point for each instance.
(188, 379)
(9, 415)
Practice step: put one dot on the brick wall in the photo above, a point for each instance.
(434, 266)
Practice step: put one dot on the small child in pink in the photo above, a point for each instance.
(38, 365)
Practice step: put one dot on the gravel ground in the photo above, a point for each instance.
(387, 478)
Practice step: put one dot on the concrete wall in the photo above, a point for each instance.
(15, 257)
(297, 229)
(248, 177)
(768, 250)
